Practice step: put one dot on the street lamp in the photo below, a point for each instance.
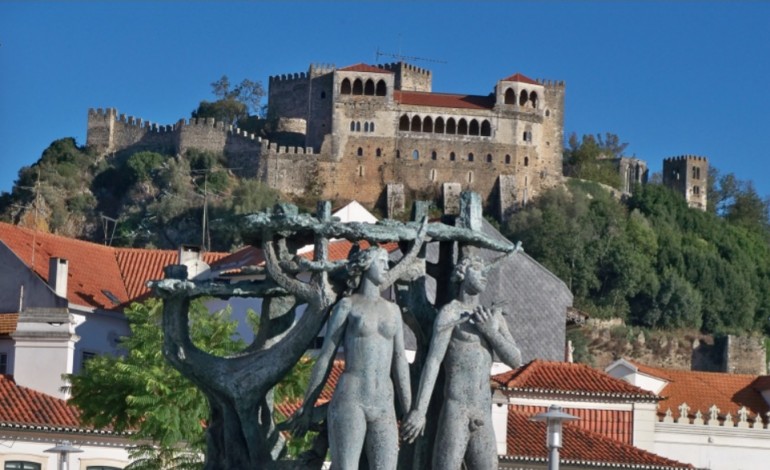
(553, 418)
(64, 449)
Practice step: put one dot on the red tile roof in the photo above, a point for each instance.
(701, 390)
(8, 323)
(93, 269)
(517, 77)
(444, 100)
(526, 441)
(564, 378)
(361, 67)
(24, 406)
(289, 408)
(614, 424)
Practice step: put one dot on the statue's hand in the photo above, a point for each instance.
(299, 423)
(485, 320)
(413, 426)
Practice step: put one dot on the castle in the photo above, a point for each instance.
(378, 134)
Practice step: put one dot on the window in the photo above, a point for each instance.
(507, 159)
(20, 465)
(547, 112)
(533, 99)
(352, 126)
(382, 89)
(360, 152)
(489, 158)
(358, 87)
(433, 175)
(696, 172)
(470, 157)
(415, 155)
(451, 127)
(427, 124)
(416, 124)
(486, 128)
(369, 87)
(345, 87)
(360, 170)
(510, 96)
(323, 95)
(371, 127)
(366, 127)
(474, 128)
(379, 152)
(470, 177)
(3, 363)
(358, 126)
(526, 161)
(433, 155)
(696, 190)
(462, 127)
(452, 156)
(87, 356)
(398, 153)
(523, 97)
(438, 128)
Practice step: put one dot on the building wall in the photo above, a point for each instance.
(30, 447)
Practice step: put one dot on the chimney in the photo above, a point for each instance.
(58, 270)
(189, 253)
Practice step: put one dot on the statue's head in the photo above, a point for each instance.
(371, 262)
(470, 273)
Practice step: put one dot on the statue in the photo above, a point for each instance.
(465, 334)
(361, 414)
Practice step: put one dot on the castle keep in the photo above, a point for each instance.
(688, 176)
(350, 133)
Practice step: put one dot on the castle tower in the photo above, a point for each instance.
(688, 176)
(101, 129)
(409, 77)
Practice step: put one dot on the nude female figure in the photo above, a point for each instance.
(361, 415)
(464, 336)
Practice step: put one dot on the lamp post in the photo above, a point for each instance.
(554, 418)
(64, 449)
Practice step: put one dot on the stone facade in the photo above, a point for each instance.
(365, 127)
(688, 175)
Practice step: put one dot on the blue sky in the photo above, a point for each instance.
(668, 78)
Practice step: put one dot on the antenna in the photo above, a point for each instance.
(402, 58)
(105, 226)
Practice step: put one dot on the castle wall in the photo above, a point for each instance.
(409, 77)
(291, 170)
(287, 96)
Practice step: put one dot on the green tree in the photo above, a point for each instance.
(234, 104)
(592, 158)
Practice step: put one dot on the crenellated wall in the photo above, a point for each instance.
(688, 175)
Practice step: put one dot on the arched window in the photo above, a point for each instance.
(696, 190)
(352, 126)
(533, 99)
(415, 155)
(358, 126)
(369, 87)
(379, 152)
(403, 123)
(474, 127)
(451, 128)
(507, 159)
(462, 127)
(695, 172)
(486, 128)
(345, 87)
(360, 152)
(522, 96)
(398, 153)
(547, 112)
(489, 158)
(371, 127)
(470, 157)
(452, 156)
(510, 96)
(366, 127)
(526, 161)
(382, 89)
(438, 128)
(416, 124)
(433, 155)
(427, 124)
(358, 87)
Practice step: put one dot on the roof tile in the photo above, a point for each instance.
(23, 406)
(361, 67)
(568, 378)
(444, 100)
(526, 440)
(517, 77)
(8, 323)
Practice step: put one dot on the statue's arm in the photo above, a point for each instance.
(405, 263)
(335, 331)
(414, 424)
(400, 368)
(495, 329)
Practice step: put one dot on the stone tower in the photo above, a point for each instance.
(688, 176)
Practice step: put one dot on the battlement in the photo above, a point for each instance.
(685, 157)
(279, 150)
(290, 77)
(102, 112)
(397, 66)
(321, 69)
(551, 83)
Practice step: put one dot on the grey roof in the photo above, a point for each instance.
(534, 299)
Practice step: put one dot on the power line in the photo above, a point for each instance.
(402, 58)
